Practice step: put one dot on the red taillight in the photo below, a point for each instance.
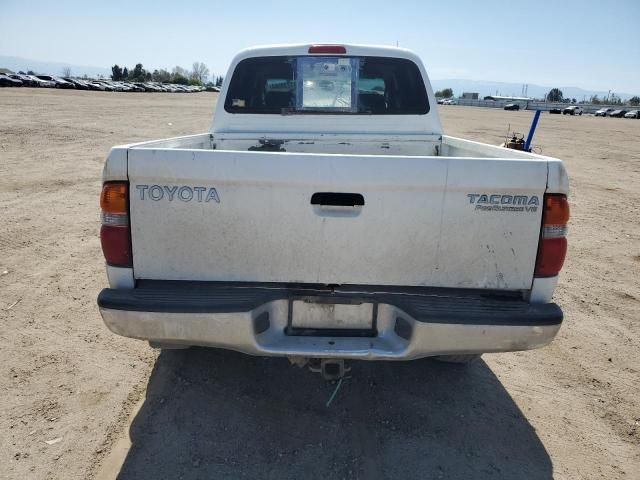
(116, 245)
(553, 243)
(551, 256)
(115, 234)
(333, 49)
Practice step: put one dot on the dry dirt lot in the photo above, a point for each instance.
(568, 411)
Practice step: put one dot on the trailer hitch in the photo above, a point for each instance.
(329, 368)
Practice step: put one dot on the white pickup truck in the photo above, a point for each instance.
(326, 215)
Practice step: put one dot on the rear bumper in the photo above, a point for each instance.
(409, 323)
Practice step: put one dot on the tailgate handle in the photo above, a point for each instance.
(337, 199)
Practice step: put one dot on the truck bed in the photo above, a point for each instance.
(426, 220)
(411, 145)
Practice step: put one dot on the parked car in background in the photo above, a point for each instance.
(632, 114)
(572, 110)
(618, 113)
(603, 112)
(114, 86)
(107, 86)
(449, 101)
(25, 79)
(79, 84)
(142, 86)
(40, 82)
(117, 86)
(57, 81)
(95, 85)
(7, 81)
(512, 106)
(133, 87)
(123, 87)
(160, 86)
(555, 111)
(147, 87)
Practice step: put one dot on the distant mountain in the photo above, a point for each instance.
(515, 89)
(51, 68)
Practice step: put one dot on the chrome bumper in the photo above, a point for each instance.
(408, 325)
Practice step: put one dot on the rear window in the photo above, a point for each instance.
(333, 85)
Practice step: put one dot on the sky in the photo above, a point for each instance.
(588, 44)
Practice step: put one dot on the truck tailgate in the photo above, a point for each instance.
(253, 216)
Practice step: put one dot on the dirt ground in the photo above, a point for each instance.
(69, 388)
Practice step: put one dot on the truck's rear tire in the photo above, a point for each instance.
(459, 359)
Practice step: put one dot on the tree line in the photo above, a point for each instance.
(615, 100)
(555, 95)
(198, 75)
(444, 93)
